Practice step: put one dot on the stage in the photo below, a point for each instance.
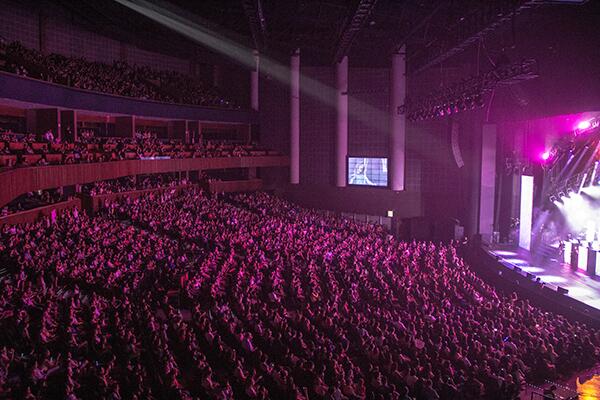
(553, 273)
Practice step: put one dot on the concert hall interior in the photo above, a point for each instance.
(300, 199)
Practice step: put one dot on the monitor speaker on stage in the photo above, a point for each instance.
(592, 261)
(574, 256)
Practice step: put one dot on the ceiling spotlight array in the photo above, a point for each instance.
(467, 94)
(576, 184)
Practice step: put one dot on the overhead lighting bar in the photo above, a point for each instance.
(468, 93)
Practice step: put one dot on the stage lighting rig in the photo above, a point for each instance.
(467, 94)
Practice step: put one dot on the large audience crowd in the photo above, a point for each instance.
(32, 200)
(179, 295)
(131, 183)
(39, 150)
(118, 78)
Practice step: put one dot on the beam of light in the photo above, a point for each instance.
(582, 182)
(594, 173)
(229, 48)
(577, 211)
(590, 230)
(566, 172)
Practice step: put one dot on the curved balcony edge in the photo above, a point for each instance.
(16, 182)
(48, 94)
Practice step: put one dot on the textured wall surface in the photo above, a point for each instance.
(62, 35)
(317, 129)
(368, 103)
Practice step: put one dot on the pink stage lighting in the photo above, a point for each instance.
(545, 155)
(583, 125)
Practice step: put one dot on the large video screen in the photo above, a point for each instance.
(367, 171)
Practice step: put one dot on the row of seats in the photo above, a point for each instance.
(27, 150)
(183, 296)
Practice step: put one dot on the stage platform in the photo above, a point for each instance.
(552, 272)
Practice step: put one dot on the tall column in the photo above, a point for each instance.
(295, 117)
(487, 194)
(341, 142)
(397, 120)
(254, 82)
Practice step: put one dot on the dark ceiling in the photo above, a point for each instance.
(366, 30)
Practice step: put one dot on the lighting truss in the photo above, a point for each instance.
(467, 94)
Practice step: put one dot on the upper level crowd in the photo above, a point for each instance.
(30, 150)
(180, 295)
(117, 78)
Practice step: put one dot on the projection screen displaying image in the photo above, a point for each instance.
(365, 171)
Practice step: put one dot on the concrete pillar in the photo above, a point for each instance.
(295, 117)
(125, 126)
(397, 120)
(254, 82)
(487, 193)
(341, 143)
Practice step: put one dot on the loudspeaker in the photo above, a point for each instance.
(455, 144)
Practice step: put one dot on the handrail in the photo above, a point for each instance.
(17, 181)
(33, 214)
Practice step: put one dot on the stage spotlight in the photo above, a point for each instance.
(545, 155)
(582, 182)
(583, 125)
(570, 192)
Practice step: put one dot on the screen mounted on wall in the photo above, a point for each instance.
(367, 171)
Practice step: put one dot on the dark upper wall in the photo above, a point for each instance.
(58, 33)
(565, 42)
(368, 105)
(563, 39)
(317, 130)
(274, 99)
(50, 28)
